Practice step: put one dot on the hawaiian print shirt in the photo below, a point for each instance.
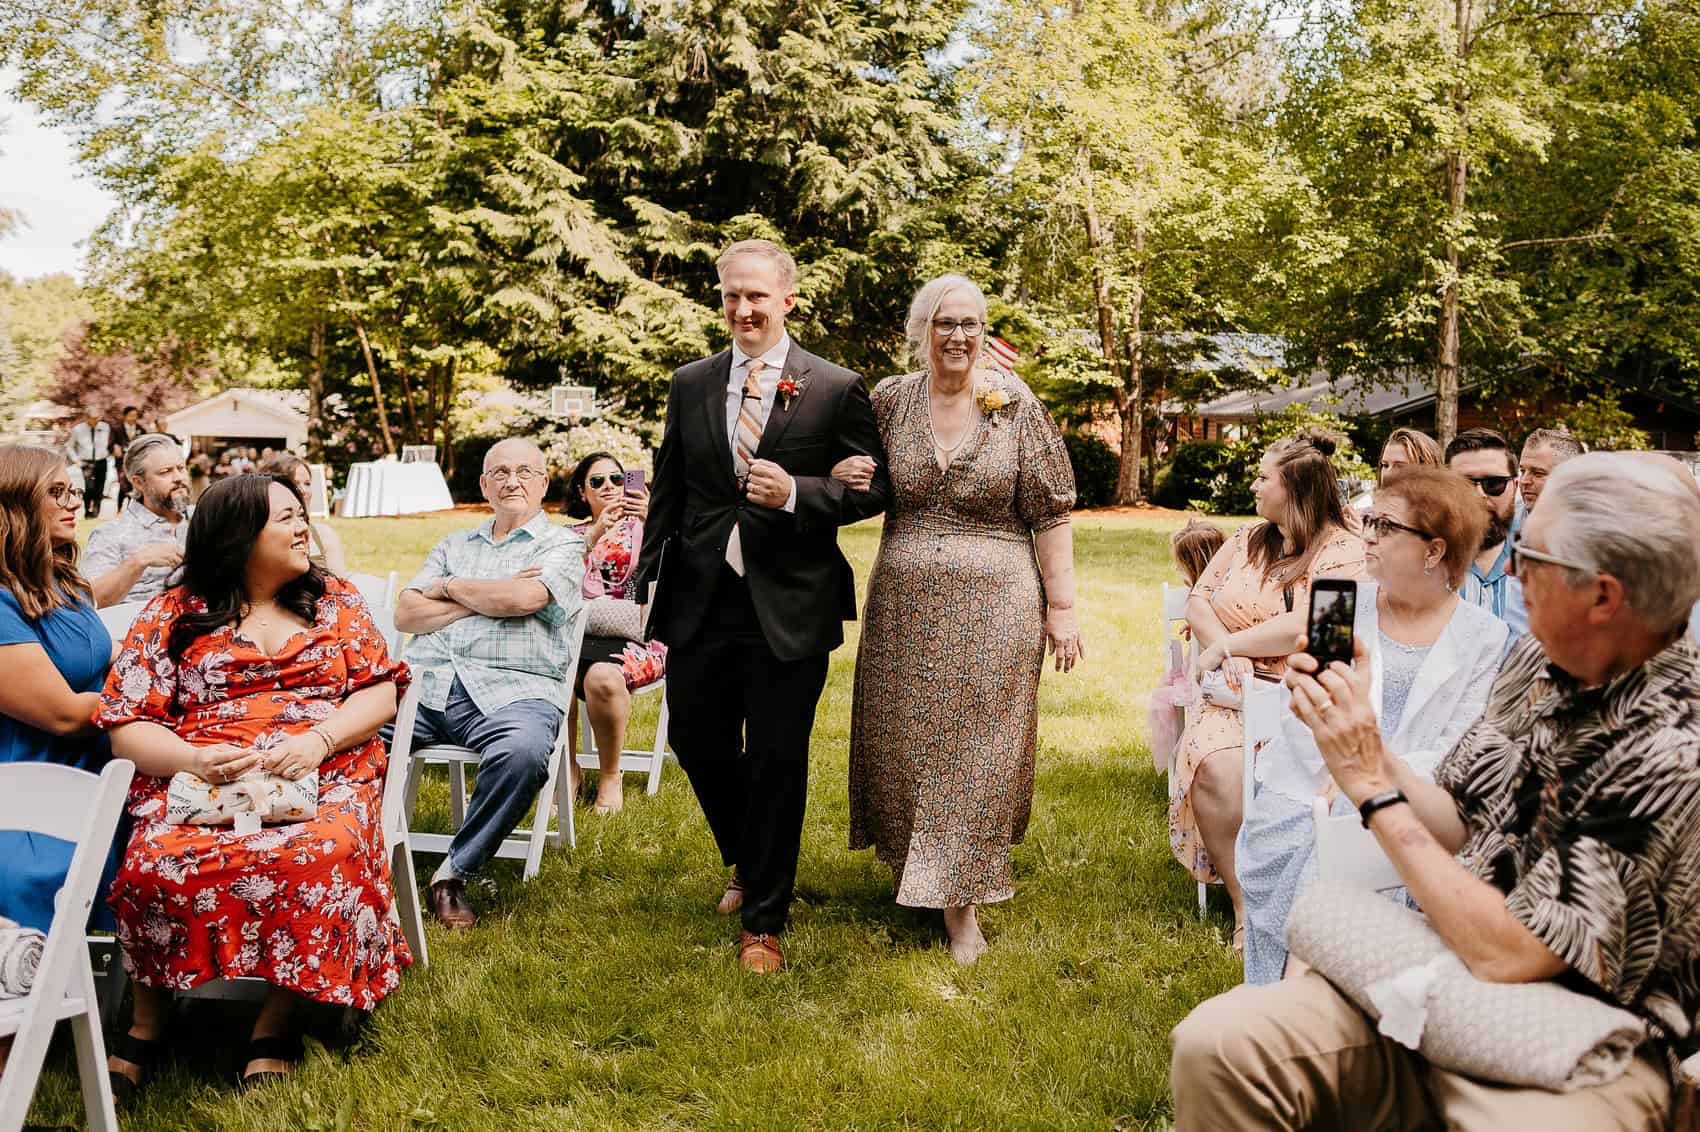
(500, 660)
(1582, 805)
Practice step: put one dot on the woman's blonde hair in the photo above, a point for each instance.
(926, 304)
(1194, 545)
(41, 574)
(1418, 445)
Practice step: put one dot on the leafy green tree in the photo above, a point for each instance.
(1145, 195)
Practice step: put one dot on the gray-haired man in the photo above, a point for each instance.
(132, 557)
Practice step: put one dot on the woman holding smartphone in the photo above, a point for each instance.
(1433, 659)
(615, 659)
(1251, 603)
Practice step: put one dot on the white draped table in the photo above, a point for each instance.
(387, 487)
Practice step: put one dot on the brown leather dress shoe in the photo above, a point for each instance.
(450, 906)
(760, 954)
(733, 898)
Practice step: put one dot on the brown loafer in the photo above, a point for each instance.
(760, 954)
(733, 898)
(450, 906)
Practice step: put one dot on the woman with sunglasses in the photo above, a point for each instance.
(1433, 659)
(55, 653)
(615, 659)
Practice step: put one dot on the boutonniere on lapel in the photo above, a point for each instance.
(992, 400)
(789, 387)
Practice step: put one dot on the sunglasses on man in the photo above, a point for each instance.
(1492, 486)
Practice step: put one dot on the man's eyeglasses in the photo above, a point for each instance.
(945, 327)
(523, 475)
(618, 479)
(1380, 525)
(1518, 552)
(1492, 486)
(65, 495)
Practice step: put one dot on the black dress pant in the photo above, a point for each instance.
(741, 719)
(94, 487)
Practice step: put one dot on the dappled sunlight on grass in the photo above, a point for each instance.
(605, 994)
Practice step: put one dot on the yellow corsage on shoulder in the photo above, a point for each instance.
(990, 399)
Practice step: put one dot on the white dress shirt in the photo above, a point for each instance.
(773, 362)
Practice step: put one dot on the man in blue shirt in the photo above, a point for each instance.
(1483, 457)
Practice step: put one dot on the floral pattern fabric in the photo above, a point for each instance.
(1236, 590)
(306, 906)
(607, 574)
(946, 715)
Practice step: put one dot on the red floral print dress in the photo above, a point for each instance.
(307, 905)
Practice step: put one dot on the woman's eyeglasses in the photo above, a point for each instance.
(1380, 525)
(945, 327)
(618, 479)
(64, 495)
(1492, 486)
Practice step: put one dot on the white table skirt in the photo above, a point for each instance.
(385, 487)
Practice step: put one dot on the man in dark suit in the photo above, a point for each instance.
(751, 590)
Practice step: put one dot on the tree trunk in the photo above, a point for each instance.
(316, 393)
(1128, 488)
(1106, 315)
(1457, 186)
(446, 417)
(371, 365)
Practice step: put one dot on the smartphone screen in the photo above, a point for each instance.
(1333, 611)
(634, 481)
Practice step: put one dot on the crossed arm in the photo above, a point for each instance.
(450, 598)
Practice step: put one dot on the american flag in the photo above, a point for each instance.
(1001, 352)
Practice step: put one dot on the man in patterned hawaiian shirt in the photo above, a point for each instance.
(1573, 808)
(495, 610)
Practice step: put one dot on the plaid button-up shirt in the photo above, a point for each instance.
(127, 532)
(503, 659)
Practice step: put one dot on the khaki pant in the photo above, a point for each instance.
(1298, 1054)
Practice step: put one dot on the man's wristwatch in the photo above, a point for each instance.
(1368, 807)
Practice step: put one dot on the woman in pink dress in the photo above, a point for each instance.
(1250, 605)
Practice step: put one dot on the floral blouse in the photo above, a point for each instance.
(613, 558)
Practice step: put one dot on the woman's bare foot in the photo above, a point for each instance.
(610, 799)
(967, 942)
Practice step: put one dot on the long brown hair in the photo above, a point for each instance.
(1313, 506)
(41, 574)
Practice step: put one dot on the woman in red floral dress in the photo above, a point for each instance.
(257, 662)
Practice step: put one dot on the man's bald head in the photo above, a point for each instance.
(515, 450)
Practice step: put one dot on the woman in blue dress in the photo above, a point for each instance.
(54, 652)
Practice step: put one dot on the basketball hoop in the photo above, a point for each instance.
(574, 402)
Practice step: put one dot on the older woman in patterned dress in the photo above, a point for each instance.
(258, 661)
(975, 577)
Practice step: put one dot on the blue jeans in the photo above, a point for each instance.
(514, 745)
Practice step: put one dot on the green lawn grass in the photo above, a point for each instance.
(605, 993)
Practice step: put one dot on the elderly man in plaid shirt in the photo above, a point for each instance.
(495, 610)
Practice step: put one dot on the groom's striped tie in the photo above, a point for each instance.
(748, 438)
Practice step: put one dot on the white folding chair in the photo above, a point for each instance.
(556, 791)
(397, 839)
(1261, 716)
(1349, 854)
(118, 618)
(378, 592)
(638, 762)
(79, 807)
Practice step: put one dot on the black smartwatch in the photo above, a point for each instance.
(1379, 802)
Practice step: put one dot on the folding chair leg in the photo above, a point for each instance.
(406, 883)
(415, 771)
(1203, 898)
(566, 802)
(659, 755)
(545, 803)
(91, 1059)
(457, 794)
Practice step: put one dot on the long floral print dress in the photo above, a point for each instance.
(307, 905)
(945, 722)
(1237, 591)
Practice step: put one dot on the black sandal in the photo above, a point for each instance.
(143, 1053)
(271, 1047)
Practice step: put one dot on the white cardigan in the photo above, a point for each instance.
(1450, 692)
